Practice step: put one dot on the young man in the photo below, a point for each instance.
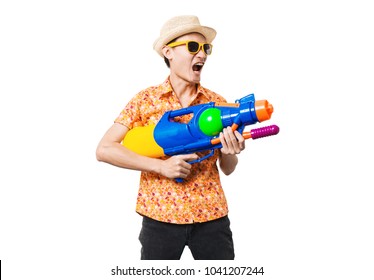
(194, 212)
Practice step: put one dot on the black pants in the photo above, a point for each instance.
(207, 241)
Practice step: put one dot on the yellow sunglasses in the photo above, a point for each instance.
(194, 47)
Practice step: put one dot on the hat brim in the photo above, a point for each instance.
(208, 32)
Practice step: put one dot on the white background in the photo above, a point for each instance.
(300, 202)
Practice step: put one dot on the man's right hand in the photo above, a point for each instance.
(177, 166)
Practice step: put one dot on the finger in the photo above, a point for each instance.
(181, 165)
(241, 140)
(237, 141)
(183, 172)
(239, 136)
(231, 140)
(189, 157)
(223, 140)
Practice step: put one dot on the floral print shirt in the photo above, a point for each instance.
(200, 197)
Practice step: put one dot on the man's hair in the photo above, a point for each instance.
(167, 62)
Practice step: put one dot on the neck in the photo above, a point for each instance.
(185, 91)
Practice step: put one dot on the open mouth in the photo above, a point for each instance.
(198, 66)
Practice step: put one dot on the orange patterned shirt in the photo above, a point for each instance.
(200, 197)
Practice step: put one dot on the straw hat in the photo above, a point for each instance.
(181, 25)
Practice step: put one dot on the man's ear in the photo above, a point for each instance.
(166, 52)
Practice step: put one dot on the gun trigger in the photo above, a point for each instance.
(202, 158)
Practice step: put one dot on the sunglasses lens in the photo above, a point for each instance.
(193, 47)
(208, 49)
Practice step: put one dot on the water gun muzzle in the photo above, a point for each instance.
(264, 110)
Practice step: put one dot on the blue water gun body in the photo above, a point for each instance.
(170, 137)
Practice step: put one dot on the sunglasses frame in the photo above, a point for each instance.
(201, 46)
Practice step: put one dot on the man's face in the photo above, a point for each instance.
(185, 65)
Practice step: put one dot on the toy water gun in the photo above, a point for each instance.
(201, 133)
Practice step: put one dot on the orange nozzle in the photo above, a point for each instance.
(247, 135)
(263, 110)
